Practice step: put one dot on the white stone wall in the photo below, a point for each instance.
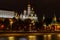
(6, 14)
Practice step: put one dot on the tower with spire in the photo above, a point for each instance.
(43, 18)
(54, 19)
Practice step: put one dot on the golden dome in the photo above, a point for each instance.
(28, 5)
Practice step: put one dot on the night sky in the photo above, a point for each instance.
(41, 7)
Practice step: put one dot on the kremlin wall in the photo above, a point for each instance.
(27, 21)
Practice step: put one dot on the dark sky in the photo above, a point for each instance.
(46, 7)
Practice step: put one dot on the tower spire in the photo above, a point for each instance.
(54, 18)
(32, 10)
(29, 8)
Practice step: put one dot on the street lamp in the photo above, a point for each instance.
(11, 22)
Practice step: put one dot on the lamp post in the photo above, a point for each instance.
(11, 22)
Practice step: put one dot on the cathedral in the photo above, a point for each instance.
(29, 14)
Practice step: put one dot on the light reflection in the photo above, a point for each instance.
(47, 37)
(32, 37)
(22, 39)
(11, 38)
(58, 37)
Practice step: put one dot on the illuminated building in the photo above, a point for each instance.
(6, 14)
(55, 24)
(29, 14)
